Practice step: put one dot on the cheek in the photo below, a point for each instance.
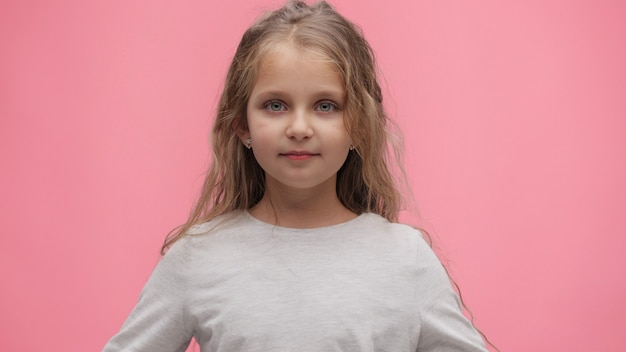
(258, 124)
(342, 134)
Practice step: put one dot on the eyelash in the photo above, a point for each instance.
(268, 103)
(334, 106)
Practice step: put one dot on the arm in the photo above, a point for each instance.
(443, 325)
(158, 321)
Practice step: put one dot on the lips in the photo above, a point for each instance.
(299, 155)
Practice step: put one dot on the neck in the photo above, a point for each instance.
(301, 208)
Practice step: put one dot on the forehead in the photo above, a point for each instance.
(291, 60)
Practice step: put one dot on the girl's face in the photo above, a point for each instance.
(295, 120)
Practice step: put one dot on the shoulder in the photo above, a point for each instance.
(400, 243)
(225, 227)
(411, 241)
(183, 248)
(378, 226)
(217, 238)
(220, 222)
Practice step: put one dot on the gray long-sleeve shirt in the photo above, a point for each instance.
(239, 284)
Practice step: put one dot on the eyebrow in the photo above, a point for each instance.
(330, 94)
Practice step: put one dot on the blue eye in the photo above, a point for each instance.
(274, 105)
(326, 106)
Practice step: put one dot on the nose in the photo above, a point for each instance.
(299, 127)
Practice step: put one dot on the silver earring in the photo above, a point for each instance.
(249, 143)
(351, 146)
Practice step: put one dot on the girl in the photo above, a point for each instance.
(294, 243)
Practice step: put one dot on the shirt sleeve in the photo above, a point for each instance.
(158, 322)
(443, 325)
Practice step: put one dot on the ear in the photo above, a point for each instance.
(241, 130)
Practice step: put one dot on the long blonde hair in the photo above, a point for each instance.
(365, 182)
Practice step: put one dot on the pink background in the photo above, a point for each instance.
(515, 122)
